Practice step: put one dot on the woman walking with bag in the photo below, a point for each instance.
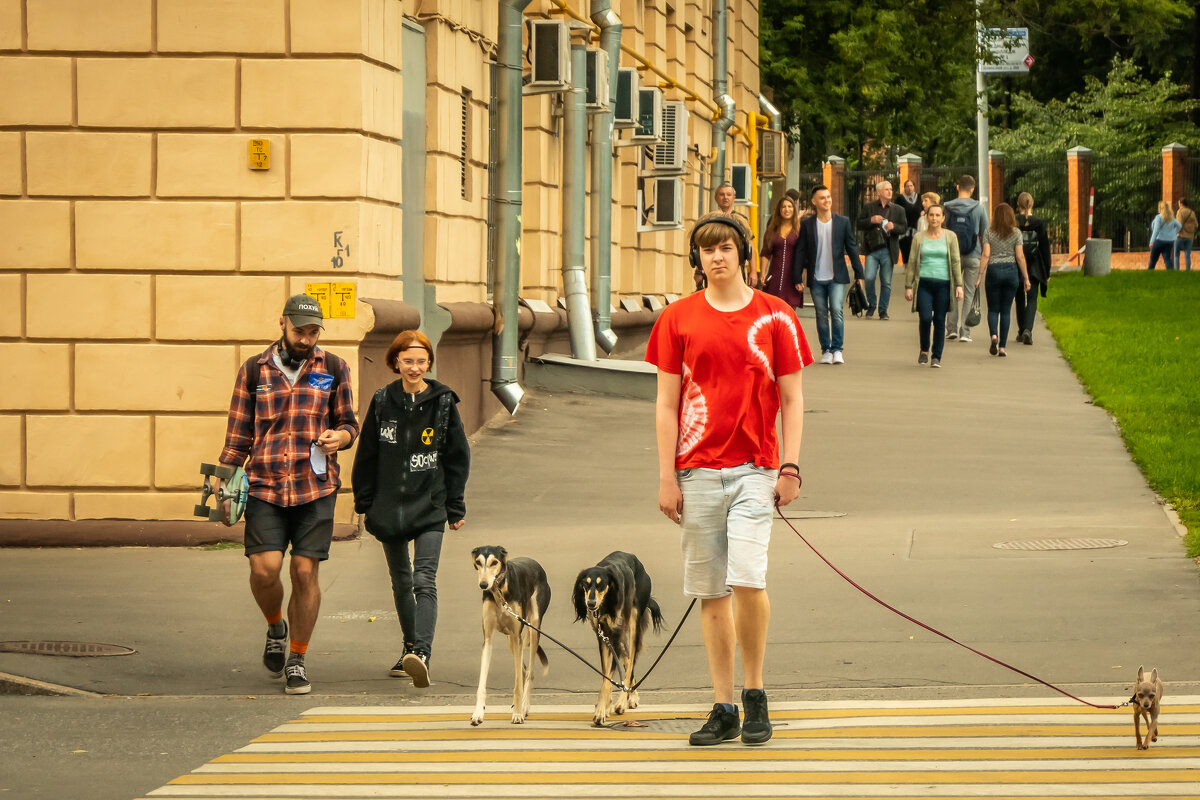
(409, 476)
(1003, 273)
(1035, 244)
(779, 247)
(1162, 236)
(1187, 233)
(933, 274)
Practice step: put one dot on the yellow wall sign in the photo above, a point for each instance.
(336, 299)
(260, 154)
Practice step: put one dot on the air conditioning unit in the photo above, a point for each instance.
(649, 116)
(739, 176)
(671, 154)
(550, 57)
(771, 154)
(627, 97)
(660, 203)
(597, 98)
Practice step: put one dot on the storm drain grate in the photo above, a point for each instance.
(74, 649)
(1077, 543)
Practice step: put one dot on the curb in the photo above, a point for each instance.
(15, 684)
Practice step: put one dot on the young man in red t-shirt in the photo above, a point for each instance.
(729, 361)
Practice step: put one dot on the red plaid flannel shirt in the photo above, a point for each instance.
(278, 430)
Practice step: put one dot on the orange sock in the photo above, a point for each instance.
(299, 648)
(273, 618)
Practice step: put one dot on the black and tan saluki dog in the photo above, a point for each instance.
(521, 585)
(614, 596)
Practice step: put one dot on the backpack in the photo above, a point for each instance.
(1029, 243)
(964, 229)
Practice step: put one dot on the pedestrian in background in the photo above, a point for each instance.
(928, 199)
(934, 273)
(779, 248)
(1035, 245)
(968, 219)
(292, 411)
(1162, 236)
(410, 473)
(725, 197)
(825, 244)
(1186, 218)
(1003, 272)
(882, 224)
(910, 201)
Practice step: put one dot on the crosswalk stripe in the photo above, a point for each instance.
(982, 748)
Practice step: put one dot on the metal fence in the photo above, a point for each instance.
(1127, 194)
(805, 184)
(944, 180)
(1046, 182)
(1192, 190)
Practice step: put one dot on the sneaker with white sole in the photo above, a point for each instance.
(966, 337)
(936, 363)
(827, 357)
(275, 653)
(297, 678)
(952, 336)
(837, 357)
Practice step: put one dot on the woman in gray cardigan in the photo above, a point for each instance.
(934, 253)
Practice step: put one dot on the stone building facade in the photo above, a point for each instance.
(143, 259)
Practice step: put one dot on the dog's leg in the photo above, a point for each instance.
(481, 693)
(1137, 728)
(516, 643)
(604, 701)
(527, 688)
(1152, 727)
(625, 659)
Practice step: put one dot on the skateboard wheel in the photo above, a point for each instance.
(208, 469)
(224, 473)
(200, 511)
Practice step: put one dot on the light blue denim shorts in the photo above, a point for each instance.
(726, 528)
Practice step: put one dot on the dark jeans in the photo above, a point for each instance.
(1026, 308)
(933, 301)
(1001, 283)
(414, 587)
(1164, 248)
(1183, 247)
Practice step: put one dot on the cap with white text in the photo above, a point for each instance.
(303, 309)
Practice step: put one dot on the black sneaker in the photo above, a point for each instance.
(923, 358)
(417, 665)
(297, 678)
(397, 670)
(721, 726)
(275, 653)
(936, 363)
(757, 729)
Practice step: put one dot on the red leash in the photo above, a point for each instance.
(915, 621)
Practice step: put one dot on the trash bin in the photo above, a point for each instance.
(1097, 258)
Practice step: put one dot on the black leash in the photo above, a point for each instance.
(621, 686)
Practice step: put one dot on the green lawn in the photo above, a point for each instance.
(1133, 338)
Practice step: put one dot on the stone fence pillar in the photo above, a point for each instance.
(834, 176)
(1079, 188)
(1175, 172)
(910, 170)
(996, 194)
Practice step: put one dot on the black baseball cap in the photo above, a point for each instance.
(303, 309)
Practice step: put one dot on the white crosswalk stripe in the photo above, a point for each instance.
(851, 751)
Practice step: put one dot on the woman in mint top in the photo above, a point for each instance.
(934, 272)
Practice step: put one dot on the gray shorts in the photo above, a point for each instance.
(726, 528)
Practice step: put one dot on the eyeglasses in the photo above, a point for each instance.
(411, 362)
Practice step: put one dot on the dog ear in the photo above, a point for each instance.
(1141, 676)
(475, 553)
(1154, 675)
(500, 551)
(577, 600)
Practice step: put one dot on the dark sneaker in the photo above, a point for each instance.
(936, 363)
(275, 653)
(923, 358)
(397, 670)
(417, 666)
(721, 726)
(297, 678)
(757, 727)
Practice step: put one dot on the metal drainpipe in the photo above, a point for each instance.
(602, 167)
(574, 146)
(772, 113)
(506, 286)
(723, 123)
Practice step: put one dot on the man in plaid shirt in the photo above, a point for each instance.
(292, 411)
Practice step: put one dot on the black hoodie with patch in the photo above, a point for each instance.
(410, 471)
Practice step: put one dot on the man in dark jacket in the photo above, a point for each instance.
(410, 474)
(882, 224)
(825, 243)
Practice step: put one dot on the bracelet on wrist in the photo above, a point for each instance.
(787, 464)
(795, 475)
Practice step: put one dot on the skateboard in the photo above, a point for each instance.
(234, 487)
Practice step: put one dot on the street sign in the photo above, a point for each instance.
(1010, 51)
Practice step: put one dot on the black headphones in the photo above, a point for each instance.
(744, 252)
(286, 358)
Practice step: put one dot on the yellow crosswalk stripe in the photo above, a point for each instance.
(947, 750)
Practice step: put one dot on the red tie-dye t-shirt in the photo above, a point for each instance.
(729, 362)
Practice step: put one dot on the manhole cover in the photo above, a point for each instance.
(1077, 543)
(75, 649)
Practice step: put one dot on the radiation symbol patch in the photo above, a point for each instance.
(427, 436)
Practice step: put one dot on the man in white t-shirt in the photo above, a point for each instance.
(826, 241)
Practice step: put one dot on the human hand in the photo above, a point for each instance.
(800, 288)
(456, 525)
(1027, 284)
(878, 218)
(908, 295)
(223, 505)
(670, 500)
(958, 293)
(787, 489)
(976, 283)
(330, 441)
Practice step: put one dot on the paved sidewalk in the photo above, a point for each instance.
(911, 476)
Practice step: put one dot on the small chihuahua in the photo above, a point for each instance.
(1147, 694)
